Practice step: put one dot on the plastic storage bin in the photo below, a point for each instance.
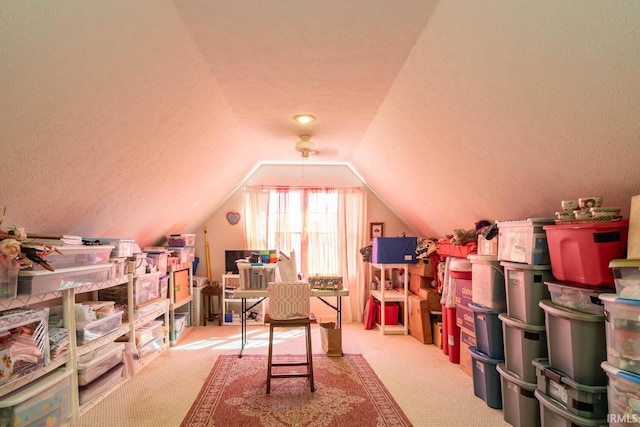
(581, 252)
(158, 260)
(391, 310)
(178, 240)
(110, 356)
(146, 333)
(67, 256)
(256, 276)
(32, 326)
(122, 248)
(519, 403)
(8, 282)
(33, 282)
(488, 331)
(579, 399)
(89, 331)
(394, 250)
(486, 380)
(101, 384)
(523, 241)
(554, 414)
(626, 275)
(622, 331)
(488, 285)
(43, 402)
(488, 247)
(577, 297)
(523, 343)
(576, 343)
(622, 395)
(184, 254)
(525, 288)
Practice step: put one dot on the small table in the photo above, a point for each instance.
(262, 294)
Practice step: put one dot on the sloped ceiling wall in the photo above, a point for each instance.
(505, 108)
(115, 122)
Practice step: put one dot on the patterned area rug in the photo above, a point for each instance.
(347, 393)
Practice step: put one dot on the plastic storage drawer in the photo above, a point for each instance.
(101, 384)
(523, 241)
(77, 256)
(576, 343)
(33, 282)
(525, 285)
(486, 380)
(89, 331)
(256, 276)
(626, 275)
(519, 403)
(577, 297)
(523, 343)
(149, 332)
(579, 399)
(622, 329)
(581, 253)
(43, 402)
(110, 356)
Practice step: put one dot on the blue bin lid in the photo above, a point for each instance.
(482, 309)
(615, 298)
(630, 376)
(478, 355)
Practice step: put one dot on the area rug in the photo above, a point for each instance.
(347, 393)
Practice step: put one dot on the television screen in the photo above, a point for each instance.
(230, 257)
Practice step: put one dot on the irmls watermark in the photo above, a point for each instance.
(623, 418)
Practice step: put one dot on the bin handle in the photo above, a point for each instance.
(553, 375)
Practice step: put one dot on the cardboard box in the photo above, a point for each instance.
(465, 318)
(423, 267)
(418, 282)
(419, 319)
(463, 285)
(466, 361)
(433, 298)
(394, 250)
(436, 334)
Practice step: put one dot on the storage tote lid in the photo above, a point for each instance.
(559, 311)
(625, 263)
(477, 308)
(35, 387)
(610, 369)
(510, 321)
(522, 266)
(112, 349)
(459, 264)
(614, 298)
(511, 377)
(478, 355)
(524, 222)
(483, 259)
(589, 224)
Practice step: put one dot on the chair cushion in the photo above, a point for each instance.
(289, 300)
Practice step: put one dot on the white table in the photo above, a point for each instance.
(262, 294)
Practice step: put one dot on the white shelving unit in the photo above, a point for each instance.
(391, 295)
(234, 305)
(68, 299)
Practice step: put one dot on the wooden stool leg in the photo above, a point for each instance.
(309, 357)
(269, 359)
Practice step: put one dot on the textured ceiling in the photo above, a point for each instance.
(138, 118)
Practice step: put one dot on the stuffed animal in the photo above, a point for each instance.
(425, 247)
(461, 236)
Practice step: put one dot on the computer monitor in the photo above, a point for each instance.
(230, 257)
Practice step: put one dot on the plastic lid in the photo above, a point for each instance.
(510, 321)
(625, 263)
(590, 224)
(478, 355)
(482, 309)
(609, 368)
(519, 265)
(484, 259)
(615, 298)
(554, 406)
(510, 376)
(559, 311)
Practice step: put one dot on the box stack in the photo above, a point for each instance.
(524, 256)
(423, 300)
(456, 294)
(622, 337)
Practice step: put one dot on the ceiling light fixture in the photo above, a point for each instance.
(304, 118)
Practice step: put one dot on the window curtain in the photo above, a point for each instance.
(332, 219)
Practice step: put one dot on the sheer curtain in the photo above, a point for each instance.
(325, 226)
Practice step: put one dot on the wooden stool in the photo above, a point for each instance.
(208, 292)
(306, 323)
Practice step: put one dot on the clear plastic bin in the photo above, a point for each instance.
(110, 356)
(43, 402)
(622, 395)
(67, 256)
(523, 241)
(89, 331)
(101, 384)
(8, 282)
(488, 284)
(33, 282)
(577, 297)
(256, 276)
(626, 275)
(622, 332)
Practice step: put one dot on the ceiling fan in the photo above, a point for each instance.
(305, 146)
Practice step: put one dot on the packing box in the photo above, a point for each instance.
(424, 268)
(419, 319)
(394, 250)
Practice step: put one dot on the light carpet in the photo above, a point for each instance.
(347, 392)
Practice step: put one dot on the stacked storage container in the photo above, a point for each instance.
(488, 300)
(523, 253)
(622, 332)
(570, 387)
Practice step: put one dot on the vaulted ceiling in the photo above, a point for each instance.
(136, 119)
